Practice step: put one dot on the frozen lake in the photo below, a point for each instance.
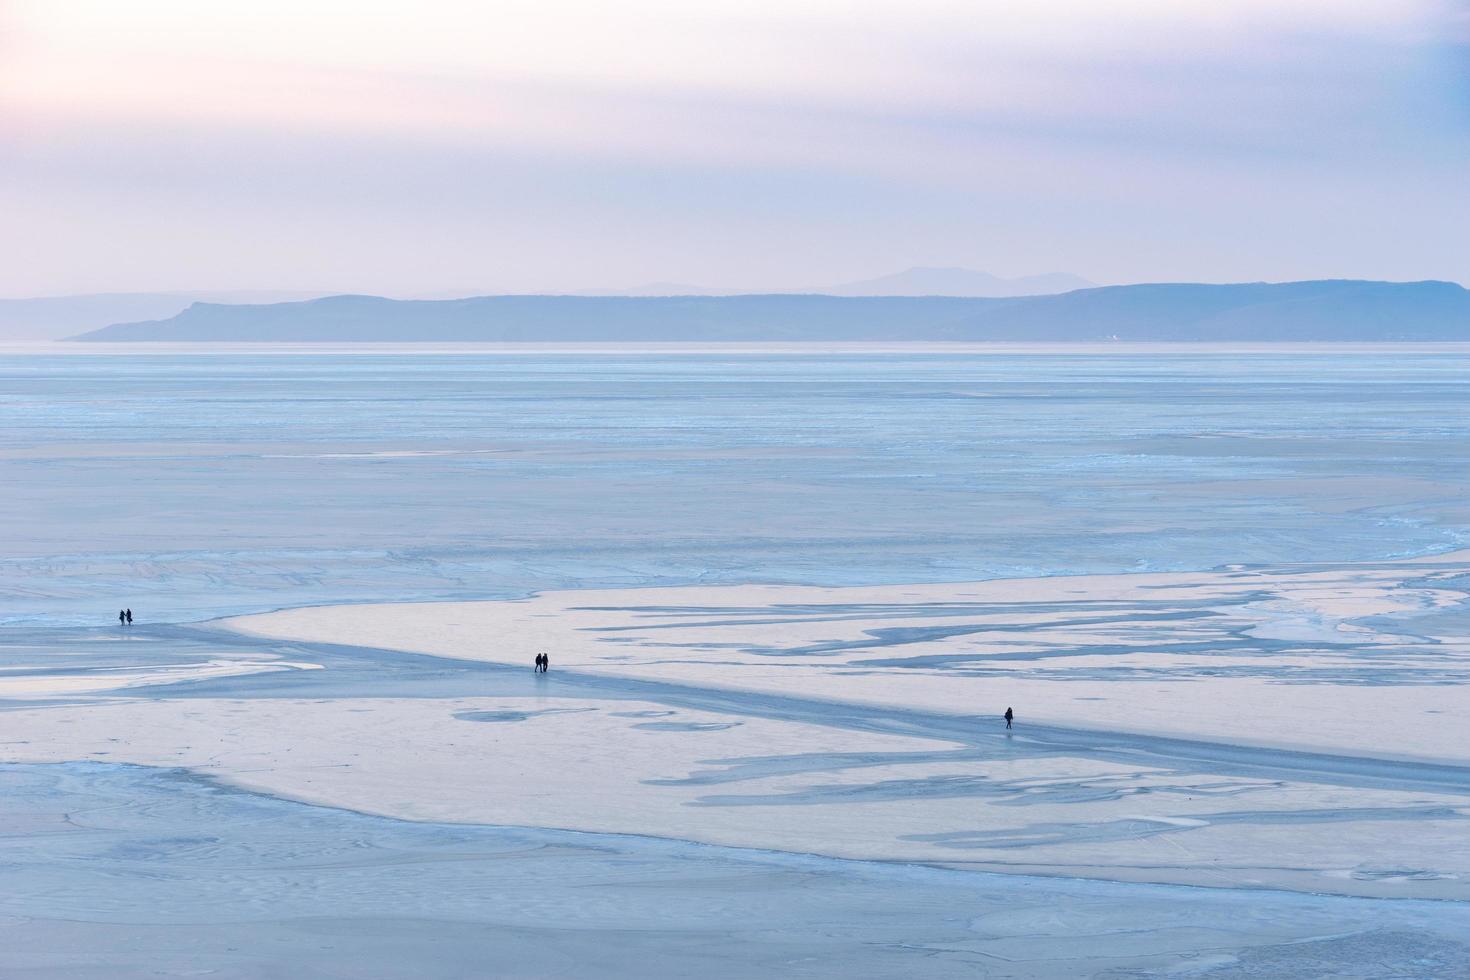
(1242, 712)
(128, 873)
(190, 485)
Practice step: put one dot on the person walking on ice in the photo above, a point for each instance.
(1009, 715)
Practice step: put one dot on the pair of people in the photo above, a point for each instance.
(542, 662)
(125, 617)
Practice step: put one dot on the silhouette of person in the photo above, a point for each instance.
(129, 614)
(122, 617)
(545, 662)
(1009, 715)
(538, 663)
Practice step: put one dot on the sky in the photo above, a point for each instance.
(427, 147)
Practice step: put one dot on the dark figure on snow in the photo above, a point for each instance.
(128, 613)
(538, 663)
(1009, 715)
(122, 617)
(545, 662)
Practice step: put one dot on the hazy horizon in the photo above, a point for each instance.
(449, 148)
(265, 294)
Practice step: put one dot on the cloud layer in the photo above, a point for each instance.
(402, 148)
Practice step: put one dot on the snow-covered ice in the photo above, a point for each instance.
(123, 872)
(786, 599)
(1326, 657)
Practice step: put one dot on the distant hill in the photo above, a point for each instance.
(54, 317)
(1326, 310)
(562, 318)
(918, 281)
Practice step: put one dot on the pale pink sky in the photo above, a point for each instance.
(405, 148)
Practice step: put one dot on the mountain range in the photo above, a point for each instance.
(51, 317)
(1319, 310)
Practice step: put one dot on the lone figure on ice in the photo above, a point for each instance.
(1009, 715)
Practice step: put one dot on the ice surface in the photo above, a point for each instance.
(189, 485)
(763, 781)
(1281, 656)
(120, 872)
(696, 751)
